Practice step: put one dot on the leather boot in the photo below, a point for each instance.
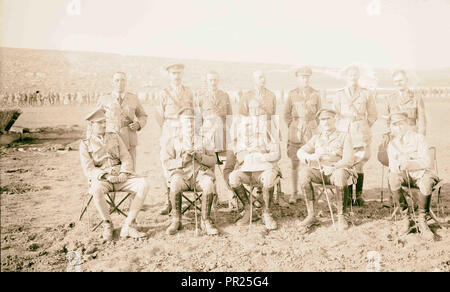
(270, 223)
(399, 200)
(207, 224)
(176, 219)
(359, 201)
(168, 206)
(310, 219)
(242, 196)
(350, 192)
(405, 223)
(108, 230)
(343, 197)
(424, 209)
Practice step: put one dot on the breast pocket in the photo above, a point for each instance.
(360, 106)
(411, 111)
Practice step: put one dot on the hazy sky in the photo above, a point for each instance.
(401, 33)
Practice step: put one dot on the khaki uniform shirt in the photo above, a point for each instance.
(409, 103)
(300, 112)
(254, 103)
(214, 108)
(176, 160)
(104, 155)
(122, 111)
(246, 143)
(412, 146)
(336, 148)
(174, 102)
(357, 112)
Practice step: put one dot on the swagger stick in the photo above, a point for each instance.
(195, 194)
(325, 191)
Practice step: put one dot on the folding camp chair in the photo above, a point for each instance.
(111, 198)
(191, 201)
(254, 191)
(412, 190)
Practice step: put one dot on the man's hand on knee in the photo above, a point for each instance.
(122, 177)
(112, 178)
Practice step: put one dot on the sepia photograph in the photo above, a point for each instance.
(251, 136)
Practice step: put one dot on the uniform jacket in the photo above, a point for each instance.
(255, 104)
(215, 108)
(414, 147)
(335, 147)
(120, 115)
(104, 155)
(173, 103)
(177, 161)
(300, 114)
(409, 103)
(246, 143)
(357, 113)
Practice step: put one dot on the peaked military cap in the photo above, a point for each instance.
(175, 68)
(97, 115)
(305, 71)
(325, 112)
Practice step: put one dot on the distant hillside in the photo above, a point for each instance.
(63, 71)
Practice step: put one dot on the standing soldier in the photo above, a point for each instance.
(301, 108)
(357, 112)
(124, 113)
(175, 100)
(260, 101)
(404, 100)
(329, 156)
(189, 167)
(214, 106)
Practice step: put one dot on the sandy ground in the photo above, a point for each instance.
(43, 192)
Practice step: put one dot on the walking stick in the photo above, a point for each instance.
(195, 194)
(411, 197)
(382, 184)
(326, 193)
(251, 204)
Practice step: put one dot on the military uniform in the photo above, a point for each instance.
(335, 152)
(300, 111)
(108, 155)
(409, 103)
(122, 110)
(253, 139)
(173, 102)
(214, 108)
(189, 167)
(410, 165)
(357, 113)
(258, 103)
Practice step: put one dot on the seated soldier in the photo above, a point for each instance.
(409, 160)
(109, 167)
(189, 166)
(329, 156)
(254, 162)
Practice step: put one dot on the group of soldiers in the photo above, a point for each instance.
(327, 145)
(37, 98)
